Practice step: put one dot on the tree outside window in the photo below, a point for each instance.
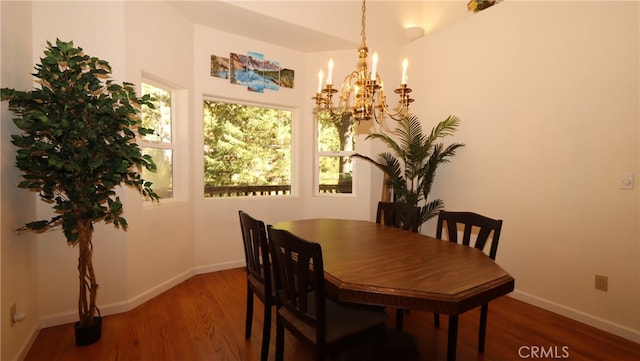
(159, 144)
(336, 144)
(247, 150)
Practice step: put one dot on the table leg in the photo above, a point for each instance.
(453, 338)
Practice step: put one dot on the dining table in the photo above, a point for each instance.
(373, 264)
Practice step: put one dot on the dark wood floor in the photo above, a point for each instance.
(203, 319)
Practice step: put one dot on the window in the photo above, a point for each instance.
(159, 144)
(247, 150)
(336, 144)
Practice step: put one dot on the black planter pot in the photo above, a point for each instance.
(90, 334)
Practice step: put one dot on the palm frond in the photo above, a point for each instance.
(449, 152)
(390, 166)
(431, 209)
(410, 166)
(439, 156)
(410, 132)
(412, 140)
(389, 142)
(444, 128)
(429, 170)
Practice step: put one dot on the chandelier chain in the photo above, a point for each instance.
(363, 34)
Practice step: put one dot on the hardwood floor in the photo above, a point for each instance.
(203, 319)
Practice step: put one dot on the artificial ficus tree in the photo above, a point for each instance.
(77, 144)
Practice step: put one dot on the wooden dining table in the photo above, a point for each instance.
(374, 264)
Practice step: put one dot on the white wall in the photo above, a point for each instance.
(549, 115)
(19, 266)
(58, 262)
(548, 94)
(168, 242)
(160, 248)
(218, 241)
(156, 252)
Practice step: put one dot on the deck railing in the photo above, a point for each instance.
(270, 190)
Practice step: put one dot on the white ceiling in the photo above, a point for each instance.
(312, 26)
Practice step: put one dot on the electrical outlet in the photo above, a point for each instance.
(601, 283)
(626, 181)
(12, 314)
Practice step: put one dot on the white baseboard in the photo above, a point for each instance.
(219, 267)
(599, 323)
(27, 346)
(119, 307)
(128, 305)
(146, 296)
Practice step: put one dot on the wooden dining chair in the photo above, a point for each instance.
(259, 277)
(485, 230)
(399, 215)
(303, 307)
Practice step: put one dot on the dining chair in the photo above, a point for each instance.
(303, 308)
(485, 229)
(399, 215)
(259, 277)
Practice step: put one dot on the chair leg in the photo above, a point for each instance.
(249, 315)
(320, 352)
(279, 342)
(436, 320)
(266, 333)
(380, 345)
(452, 341)
(484, 310)
(399, 319)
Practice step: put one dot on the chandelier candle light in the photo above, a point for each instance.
(369, 100)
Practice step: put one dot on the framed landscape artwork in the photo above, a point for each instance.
(253, 71)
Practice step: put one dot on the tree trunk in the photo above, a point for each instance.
(345, 129)
(88, 285)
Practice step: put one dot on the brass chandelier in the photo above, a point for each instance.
(369, 100)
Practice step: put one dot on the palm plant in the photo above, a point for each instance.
(410, 167)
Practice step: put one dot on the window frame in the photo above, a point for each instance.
(165, 86)
(338, 153)
(292, 149)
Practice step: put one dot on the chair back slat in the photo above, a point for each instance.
(483, 228)
(256, 249)
(299, 270)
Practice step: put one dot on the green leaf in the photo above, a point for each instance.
(76, 139)
(414, 156)
(37, 225)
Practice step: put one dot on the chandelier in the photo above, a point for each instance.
(368, 100)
